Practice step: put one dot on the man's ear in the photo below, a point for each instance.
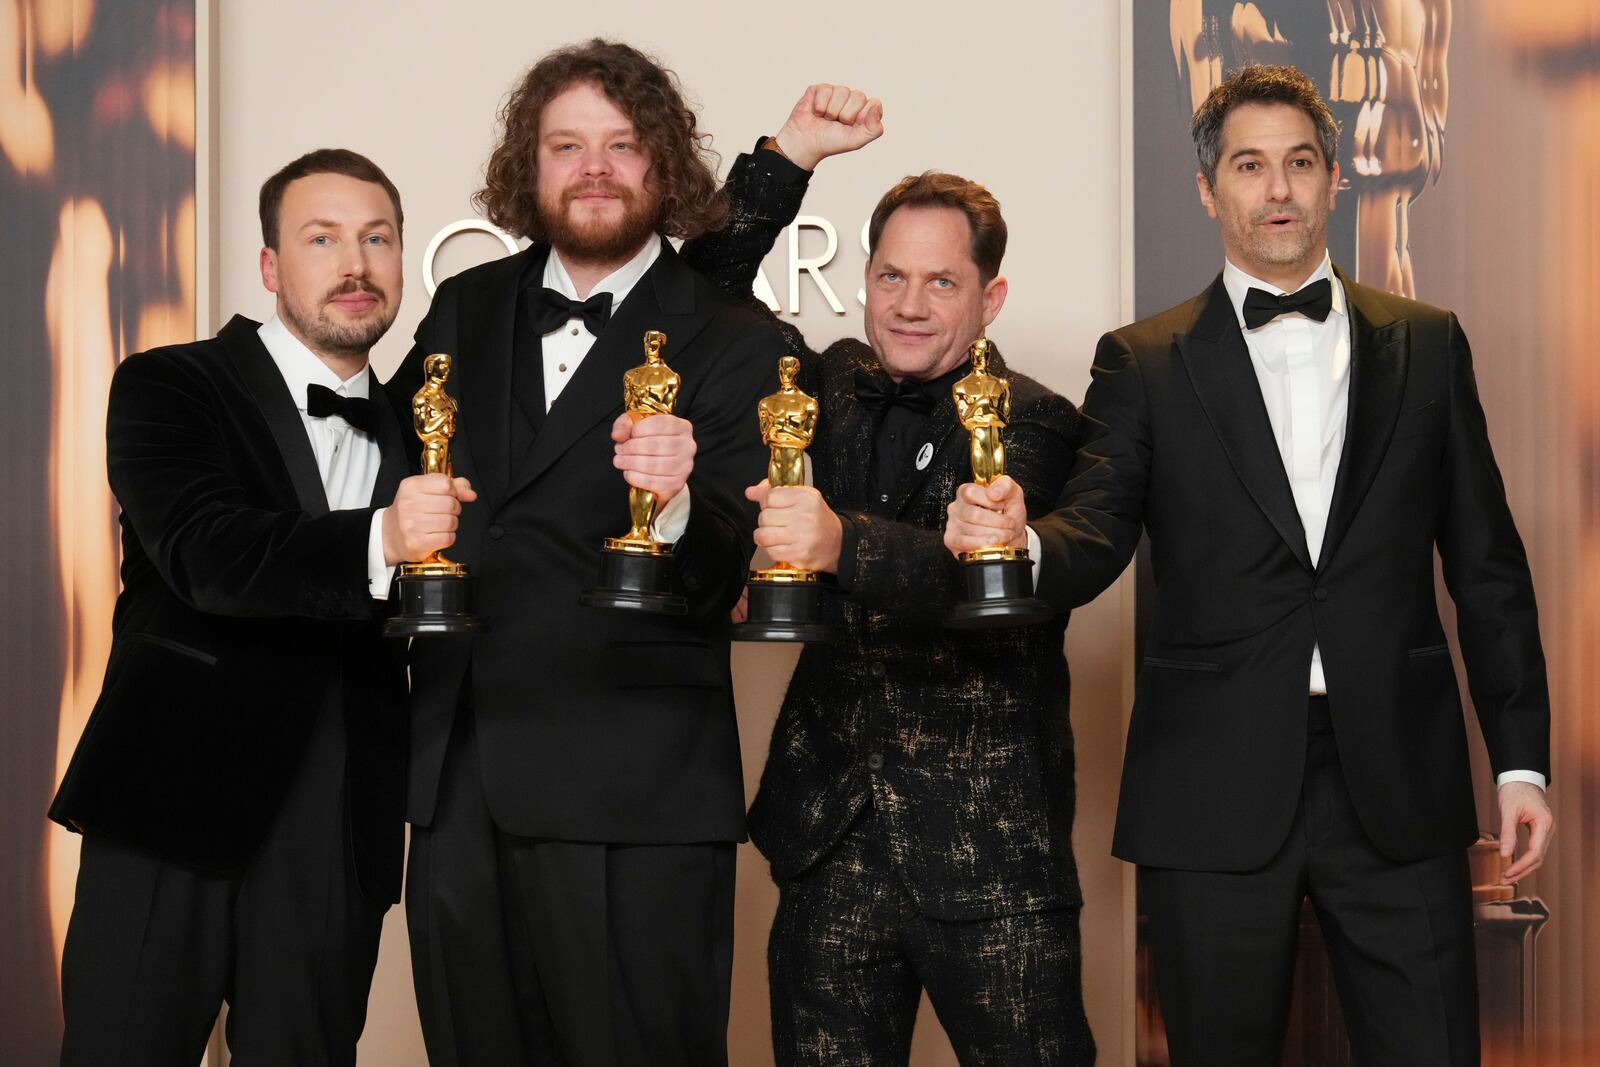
(1207, 196)
(269, 270)
(994, 298)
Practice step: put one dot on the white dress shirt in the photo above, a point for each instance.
(565, 347)
(347, 458)
(1303, 367)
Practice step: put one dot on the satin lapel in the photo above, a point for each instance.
(662, 300)
(1219, 367)
(481, 377)
(271, 394)
(852, 466)
(391, 445)
(1379, 353)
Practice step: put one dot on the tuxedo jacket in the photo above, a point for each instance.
(1182, 446)
(959, 740)
(593, 724)
(244, 616)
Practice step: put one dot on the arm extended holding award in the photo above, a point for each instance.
(785, 601)
(996, 580)
(435, 593)
(636, 569)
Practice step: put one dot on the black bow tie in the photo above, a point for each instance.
(880, 392)
(549, 310)
(1315, 301)
(322, 402)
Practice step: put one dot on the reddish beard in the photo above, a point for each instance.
(601, 242)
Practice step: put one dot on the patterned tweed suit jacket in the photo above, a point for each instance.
(959, 740)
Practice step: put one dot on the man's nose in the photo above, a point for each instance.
(596, 162)
(1278, 188)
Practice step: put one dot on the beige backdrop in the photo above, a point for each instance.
(1021, 96)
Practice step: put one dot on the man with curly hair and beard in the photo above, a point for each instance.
(575, 787)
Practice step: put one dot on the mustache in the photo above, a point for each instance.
(355, 285)
(1293, 211)
(587, 188)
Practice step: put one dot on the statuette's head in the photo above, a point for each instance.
(437, 367)
(788, 371)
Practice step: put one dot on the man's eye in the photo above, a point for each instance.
(1248, 166)
(623, 146)
(943, 283)
(322, 239)
(889, 276)
(377, 239)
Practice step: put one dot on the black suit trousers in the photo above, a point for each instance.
(850, 954)
(1399, 939)
(154, 948)
(534, 952)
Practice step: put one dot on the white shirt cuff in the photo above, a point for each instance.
(1520, 776)
(1034, 552)
(379, 573)
(672, 519)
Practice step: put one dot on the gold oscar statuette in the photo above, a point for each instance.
(997, 579)
(636, 569)
(434, 593)
(784, 602)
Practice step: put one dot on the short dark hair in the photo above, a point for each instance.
(934, 188)
(1260, 84)
(322, 161)
(682, 165)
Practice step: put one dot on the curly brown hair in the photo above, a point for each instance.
(682, 165)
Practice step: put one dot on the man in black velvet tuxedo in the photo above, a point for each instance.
(917, 800)
(239, 784)
(576, 792)
(1298, 446)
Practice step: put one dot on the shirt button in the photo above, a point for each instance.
(497, 531)
(883, 498)
(574, 331)
(562, 367)
(1319, 595)
(875, 761)
(877, 669)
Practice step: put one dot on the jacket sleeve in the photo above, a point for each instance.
(764, 192)
(171, 468)
(906, 569)
(713, 555)
(1087, 541)
(1486, 572)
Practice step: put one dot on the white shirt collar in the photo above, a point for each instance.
(619, 283)
(1238, 283)
(300, 366)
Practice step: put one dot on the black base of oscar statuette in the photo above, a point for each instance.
(783, 609)
(997, 593)
(438, 601)
(635, 578)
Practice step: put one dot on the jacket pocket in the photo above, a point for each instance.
(1428, 650)
(1181, 664)
(176, 646)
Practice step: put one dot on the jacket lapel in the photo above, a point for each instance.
(662, 300)
(391, 444)
(1379, 354)
(271, 394)
(1218, 363)
(481, 378)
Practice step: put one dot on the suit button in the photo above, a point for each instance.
(1319, 595)
(878, 670)
(875, 761)
(497, 531)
